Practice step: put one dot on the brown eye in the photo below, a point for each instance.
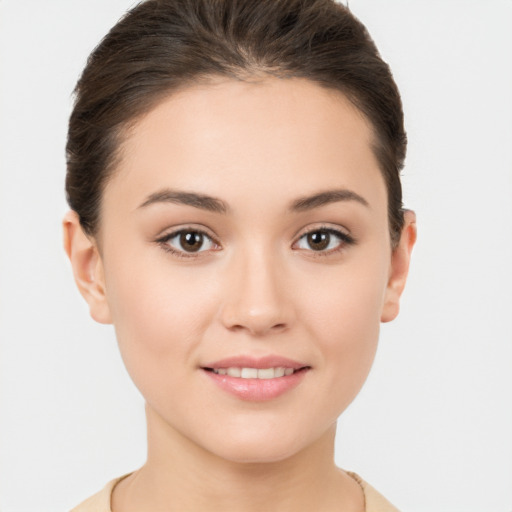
(324, 240)
(191, 241)
(318, 240)
(187, 241)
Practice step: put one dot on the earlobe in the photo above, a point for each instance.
(87, 267)
(400, 260)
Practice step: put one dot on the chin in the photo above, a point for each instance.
(256, 453)
(258, 446)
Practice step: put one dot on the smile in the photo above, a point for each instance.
(256, 379)
(254, 373)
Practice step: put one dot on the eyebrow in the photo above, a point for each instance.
(202, 201)
(326, 197)
(216, 205)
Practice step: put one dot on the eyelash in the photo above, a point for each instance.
(344, 240)
(164, 242)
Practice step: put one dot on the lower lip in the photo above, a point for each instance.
(257, 390)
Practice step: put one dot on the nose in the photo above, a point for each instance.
(256, 297)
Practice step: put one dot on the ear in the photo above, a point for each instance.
(87, 267)
(400, 259)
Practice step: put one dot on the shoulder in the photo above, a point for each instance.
(99, 502)
(374, 501)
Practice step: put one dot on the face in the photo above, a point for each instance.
(246, 263)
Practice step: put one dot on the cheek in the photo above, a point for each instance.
(155, 312)
(346, 318)
(346, 304)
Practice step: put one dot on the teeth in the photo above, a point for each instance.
(234, 372)
(266, 373)
(279, 372)
(254, 373)
(249, 373)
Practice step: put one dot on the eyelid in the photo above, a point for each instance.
(174, 230)
(346, 239)
(171, 233)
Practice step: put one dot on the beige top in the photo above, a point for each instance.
(100, 502)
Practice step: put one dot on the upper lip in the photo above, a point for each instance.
(245, 361)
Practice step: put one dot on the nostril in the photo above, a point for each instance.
(258, 329)
(267, 318)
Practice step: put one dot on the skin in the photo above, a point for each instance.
(258, 288)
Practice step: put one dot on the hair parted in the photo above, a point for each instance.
(161, 46)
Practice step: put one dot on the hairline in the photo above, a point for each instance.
(122, 131)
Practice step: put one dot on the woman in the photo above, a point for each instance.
(236, 213)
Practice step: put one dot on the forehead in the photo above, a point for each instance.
(243, 140)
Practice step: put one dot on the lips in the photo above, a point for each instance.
(254, 373)
(256, 379)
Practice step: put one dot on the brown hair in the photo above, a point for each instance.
(162, 45)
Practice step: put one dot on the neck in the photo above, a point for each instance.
(180, 475)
